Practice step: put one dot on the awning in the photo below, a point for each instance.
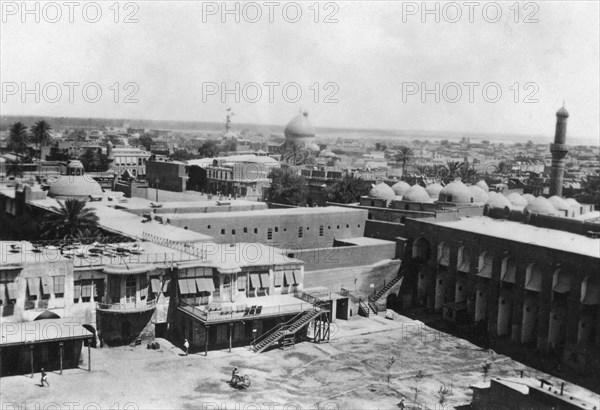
(255, 280)
(485, 271)
(241, 282)
(534, 279)
(128, 269)
(265, 280)
(12, 290)
(77, 291)
(34, 286)
(278, 278)
(444, 255)
(59, 284)
(509, 271)
(155, 285)
(165, 286)
(562, 283)
(86, 289)
(464, 261)
(205, 285)
(289, 277)
(87, 274)
(296, 275)
(183, 287)
(47, 285)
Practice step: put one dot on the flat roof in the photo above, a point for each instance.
(131, 225)
(523, 233)
(269, 212)
(40, 331)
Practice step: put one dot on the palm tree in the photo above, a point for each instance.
(71, 220)
(454, 168)
(40, 133)
(404, 156)
(17, 141)
(347, 190)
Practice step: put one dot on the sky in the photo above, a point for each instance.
(494, 67)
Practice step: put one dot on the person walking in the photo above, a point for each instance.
(44, 378)
(186, 346)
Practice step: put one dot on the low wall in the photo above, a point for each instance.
(344, 256)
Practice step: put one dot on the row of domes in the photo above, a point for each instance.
(532, 204)
(455, 192)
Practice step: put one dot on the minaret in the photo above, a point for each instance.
(559, 151)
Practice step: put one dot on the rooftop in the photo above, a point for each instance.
(271, 212)
(519, 232)
(16, 333)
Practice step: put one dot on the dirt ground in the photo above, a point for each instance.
(350, 372)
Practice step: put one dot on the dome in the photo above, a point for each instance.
(562, 112)
(572, 203)
(314, 147)
(498, 201)
(74, 186)
(517, 200)
(416, 193)
(456, 192)
(76, 164)
(434, 190)
(541, 205)
(382, 191)
(481, 184)
(528, 198)
(299, 126)
(400, 188)
(559, 203)
(479, 195)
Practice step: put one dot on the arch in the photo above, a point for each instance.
(464, 259)
(586, 332)
(561, 281)
(443, 290)
(443, 256)
(529, 321)
(533, 277)
(509, 270)
(421, 249)
(505, 302)
(485, 264)
(590, 294)
(557, 327)
(460, 290)
(481, 300)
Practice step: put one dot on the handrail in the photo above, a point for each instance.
(127, 306)
(279, 326)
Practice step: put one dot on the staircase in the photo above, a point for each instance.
(388, 286)
(363, 308)
(285, 330)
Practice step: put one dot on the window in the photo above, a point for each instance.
(276, 229)
(222, 231)
(233, 231)
(300, 233)
(130, 289)
(448, 198)
(245, 230)
(59, 286)
(347, 226)
(269, 234)
(321, 230)
(208, 226)
(255, 230)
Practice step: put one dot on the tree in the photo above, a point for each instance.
(418, 378)
(294, 154)
(287, 187)
(69, 221)
(17, 140)
(454, 168)
(347, 190)
(485, 369)
(94, 160)
(209, 149)
(40, 134)
(404, 157)
(389, 365)
(147, 141)
(229, 145)
(182, 155)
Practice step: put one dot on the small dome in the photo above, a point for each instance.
(498, 201)
(400, 188)
(517, 200)
(479, 195)
(541, 205)
(562, 112)
(74, 186)
(416, 193)
(559, 203)
(456, 192)
(434, 190)
(382, 191)
(528, 198)
(481, 184)
(299, 126)
(572, 203)
(75, 164)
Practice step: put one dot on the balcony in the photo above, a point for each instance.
(135, 307)
(258, 307)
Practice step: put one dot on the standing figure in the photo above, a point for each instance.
(44, 378)
(186, 346)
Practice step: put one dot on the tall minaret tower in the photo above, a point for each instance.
(559, 151)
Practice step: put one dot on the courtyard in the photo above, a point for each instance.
(350, 372)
